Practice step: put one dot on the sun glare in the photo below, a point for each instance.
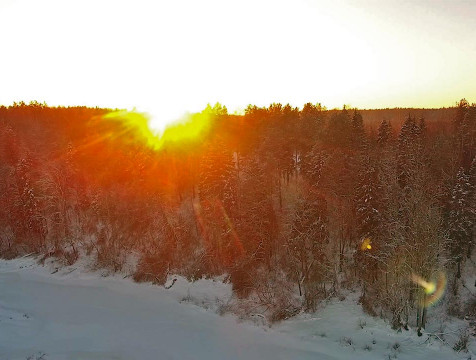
(159, 119)
(145, 128)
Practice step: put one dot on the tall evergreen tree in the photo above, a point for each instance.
(311, 126)
(368, 202)
(26, 218)
(461, 220)
(407, 151)
(358, 137)
(257, 227)
(217, 193)
(312, 166)
(338, 131)
(384, 133)
(306, 242)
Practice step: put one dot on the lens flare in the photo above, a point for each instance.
(429, 287)
(433, 290)
(236, 240)
(366, 244)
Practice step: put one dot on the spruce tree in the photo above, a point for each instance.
(358, 138)
(407, 151)
(257, 222)
(305, 244)
(461, 220)
(367, 202)
(217, 193)
(384, 133)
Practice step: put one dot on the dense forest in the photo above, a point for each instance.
(291, 205)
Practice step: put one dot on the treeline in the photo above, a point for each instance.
(292, 204)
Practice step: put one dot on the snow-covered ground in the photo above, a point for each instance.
(78, 314)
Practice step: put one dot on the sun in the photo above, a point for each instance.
(157, 131)
(161, 119)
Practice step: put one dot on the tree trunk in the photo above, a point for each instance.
(418, 320)
(386, 281)
(423, 316)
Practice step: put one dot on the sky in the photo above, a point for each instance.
(170, 57)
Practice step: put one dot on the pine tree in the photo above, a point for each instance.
(384, 133)
(358, 137)
(461, 111)
(257, 222)
(26, 216)
(217, 193)
(339, 128)
(368, 221)
(287, 138)
(311, 126)
(312, 166)
(422, 129)
(217, 173)
(465, 132)
(308, 236)
(367, 202)
(407, 151)
(472, 200)
(461, 220)
(467, 137)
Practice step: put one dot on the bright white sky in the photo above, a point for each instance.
(168, 57)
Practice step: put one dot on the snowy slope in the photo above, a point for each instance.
(80, 315)
(365, 337)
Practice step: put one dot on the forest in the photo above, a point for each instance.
(290, 205)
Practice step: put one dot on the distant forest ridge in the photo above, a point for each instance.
(371, 117)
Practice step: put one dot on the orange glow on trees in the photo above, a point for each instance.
(277, 195)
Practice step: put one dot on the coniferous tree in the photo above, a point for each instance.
(461, 111)
(338, 131)
(368, 203)
(306, 242)
(312, 166)
(384, 133)
(256, 226)
(217, 193)
(288, 150)
(311, 126)
(407, 151)
(464, 125)
(358, 137)
(461, 220)
(257, 222)
(28, 222)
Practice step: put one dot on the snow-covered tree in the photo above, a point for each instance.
(312, 166)
(461, 220)
(305, 244)
(408, 151)
(367, 202)
(27, 219)
(257, 226)
(217, 193)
